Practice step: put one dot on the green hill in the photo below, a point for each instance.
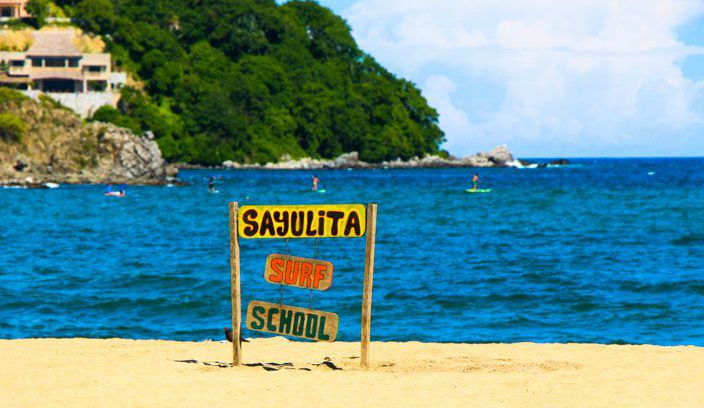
(250, 80)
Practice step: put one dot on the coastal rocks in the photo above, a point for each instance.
(525, 164)
(498, 157)
(19, 166)
(559, 162)
(58, 148)
(124, 156)
(304, 163)
(347, 160)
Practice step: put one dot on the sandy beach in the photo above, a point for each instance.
(279, 372)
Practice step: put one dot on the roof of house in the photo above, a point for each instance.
(96, 59)
(53, 43)
(11, 55)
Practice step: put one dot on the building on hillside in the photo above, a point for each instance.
(53, 65)
(10, 9)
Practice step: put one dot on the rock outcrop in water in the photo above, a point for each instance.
(525, 164)
(52, 145)
(498, 157)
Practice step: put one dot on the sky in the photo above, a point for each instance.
(549, 78)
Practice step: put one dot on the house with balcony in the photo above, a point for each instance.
(54, 66)
(10, 9)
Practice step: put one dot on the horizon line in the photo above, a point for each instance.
(607, 157)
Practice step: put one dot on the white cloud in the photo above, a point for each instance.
(438, 90)
(548, 77)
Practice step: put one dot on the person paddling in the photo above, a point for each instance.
(316, 181)
(211, 184)
(475, 182)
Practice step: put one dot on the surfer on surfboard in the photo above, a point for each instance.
(110, 192)
(475, 186)
(475, 182)
(211, 184)
(316, 181)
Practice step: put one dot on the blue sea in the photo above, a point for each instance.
(605, 251)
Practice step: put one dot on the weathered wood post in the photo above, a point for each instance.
(235, 286)
(368, 281)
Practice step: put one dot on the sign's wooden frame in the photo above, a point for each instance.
(366, 292)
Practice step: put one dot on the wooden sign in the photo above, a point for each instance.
(298, 272)
(314, 221)
(292, 321)
(302, 221)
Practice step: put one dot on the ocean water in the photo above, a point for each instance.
(607, 251)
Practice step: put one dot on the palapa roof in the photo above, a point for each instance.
(96, 59)
(11, 55)
(53, 43)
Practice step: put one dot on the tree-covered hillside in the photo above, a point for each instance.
(250, 80)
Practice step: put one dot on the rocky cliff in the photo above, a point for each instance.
(42, 142)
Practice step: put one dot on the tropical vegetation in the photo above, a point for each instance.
(252, 80)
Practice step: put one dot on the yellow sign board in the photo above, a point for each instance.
(299, 272)
(292, 321)
(302, 221)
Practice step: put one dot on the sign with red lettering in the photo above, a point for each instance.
(299, 272)
(299, 221)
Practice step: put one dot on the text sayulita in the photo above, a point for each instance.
(302, 221)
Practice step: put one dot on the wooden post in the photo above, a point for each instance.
(368, 281)
(235, 286)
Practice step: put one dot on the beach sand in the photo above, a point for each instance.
(147, 373)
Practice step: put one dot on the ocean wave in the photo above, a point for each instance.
(689, 240)
(696, 286)
(585, 307)
(643, 306)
